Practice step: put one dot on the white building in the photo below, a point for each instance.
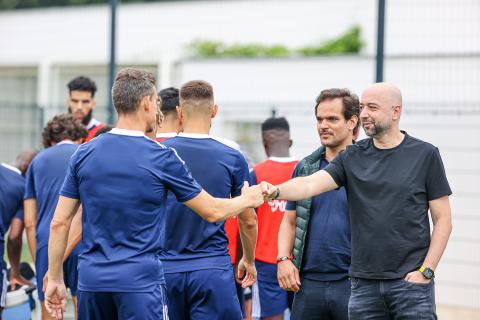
(432, 54)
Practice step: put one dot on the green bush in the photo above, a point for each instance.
(347, 43)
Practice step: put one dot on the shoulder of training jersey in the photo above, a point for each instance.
(11, 168)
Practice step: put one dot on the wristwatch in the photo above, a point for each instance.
(427, 272)
(283, 259)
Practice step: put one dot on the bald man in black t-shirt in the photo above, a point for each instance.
(392, 181)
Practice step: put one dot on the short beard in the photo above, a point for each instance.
(378, 130)
(87, 118)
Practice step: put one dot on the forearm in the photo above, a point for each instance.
(306, 187)
(32, 241)
(286, 234)
(14, 251)
(440, 235)
(57, 243)
(248, 230)
(223, 209)
(59, 228)
(75, 234)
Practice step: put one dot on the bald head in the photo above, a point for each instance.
(381, 107)
(385, 91)
(23, 160)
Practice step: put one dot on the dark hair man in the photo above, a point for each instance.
(316, 231)
(122, 178)
(392, 180)
(170, 125)
(269, 301)
(81, 103)
(197, 266)
(45, 176)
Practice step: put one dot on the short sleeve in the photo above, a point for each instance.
(30, 183)
(437, 184)
(177, 177)
(336, 169)
(292, 205)
(240, 175)
(70, 184)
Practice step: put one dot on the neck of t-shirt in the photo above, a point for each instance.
(390, 142)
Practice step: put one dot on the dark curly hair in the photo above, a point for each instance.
(82, 83)
(61, 127)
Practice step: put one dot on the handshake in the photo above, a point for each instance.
(256, 195)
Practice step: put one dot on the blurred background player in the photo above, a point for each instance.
(81, 103)
(269, 301)
(198, 271)
(12, 188)
(45, 177)
(122, 178)
(15, 241)
(320, 226)
(170, 125)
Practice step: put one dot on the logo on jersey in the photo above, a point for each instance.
(277, 205)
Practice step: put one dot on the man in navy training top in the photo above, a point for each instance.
(322, 242)
(12, 188)
(197, 266)
(44, 179)
(122, 178)
(15, 233)
(392, 180)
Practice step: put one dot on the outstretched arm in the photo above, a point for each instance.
(300, 188)
(217, 209)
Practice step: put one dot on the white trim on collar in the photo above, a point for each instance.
(66, 141)
(92, 123)
(126, 132)
(283, 159)
(14, 169)
(166, 135)
(195, 135)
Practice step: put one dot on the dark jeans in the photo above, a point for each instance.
(391, 299)
(322, 300)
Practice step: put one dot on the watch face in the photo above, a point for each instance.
(428, 273)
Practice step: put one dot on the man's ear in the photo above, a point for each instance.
(145, 104)
(94, 104)
(214, 111)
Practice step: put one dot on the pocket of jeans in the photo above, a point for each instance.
(417, 283)
(354, 282)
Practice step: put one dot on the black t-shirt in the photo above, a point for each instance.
(388, 192)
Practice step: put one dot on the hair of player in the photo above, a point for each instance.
(130, 87)
(276, 123)
(351, 104)
(196, 90)
(82, 83)
(62, 127)
(102, 130)
(170, 100)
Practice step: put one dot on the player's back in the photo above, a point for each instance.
(44, 180)
(122, 178)
(221, 170)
